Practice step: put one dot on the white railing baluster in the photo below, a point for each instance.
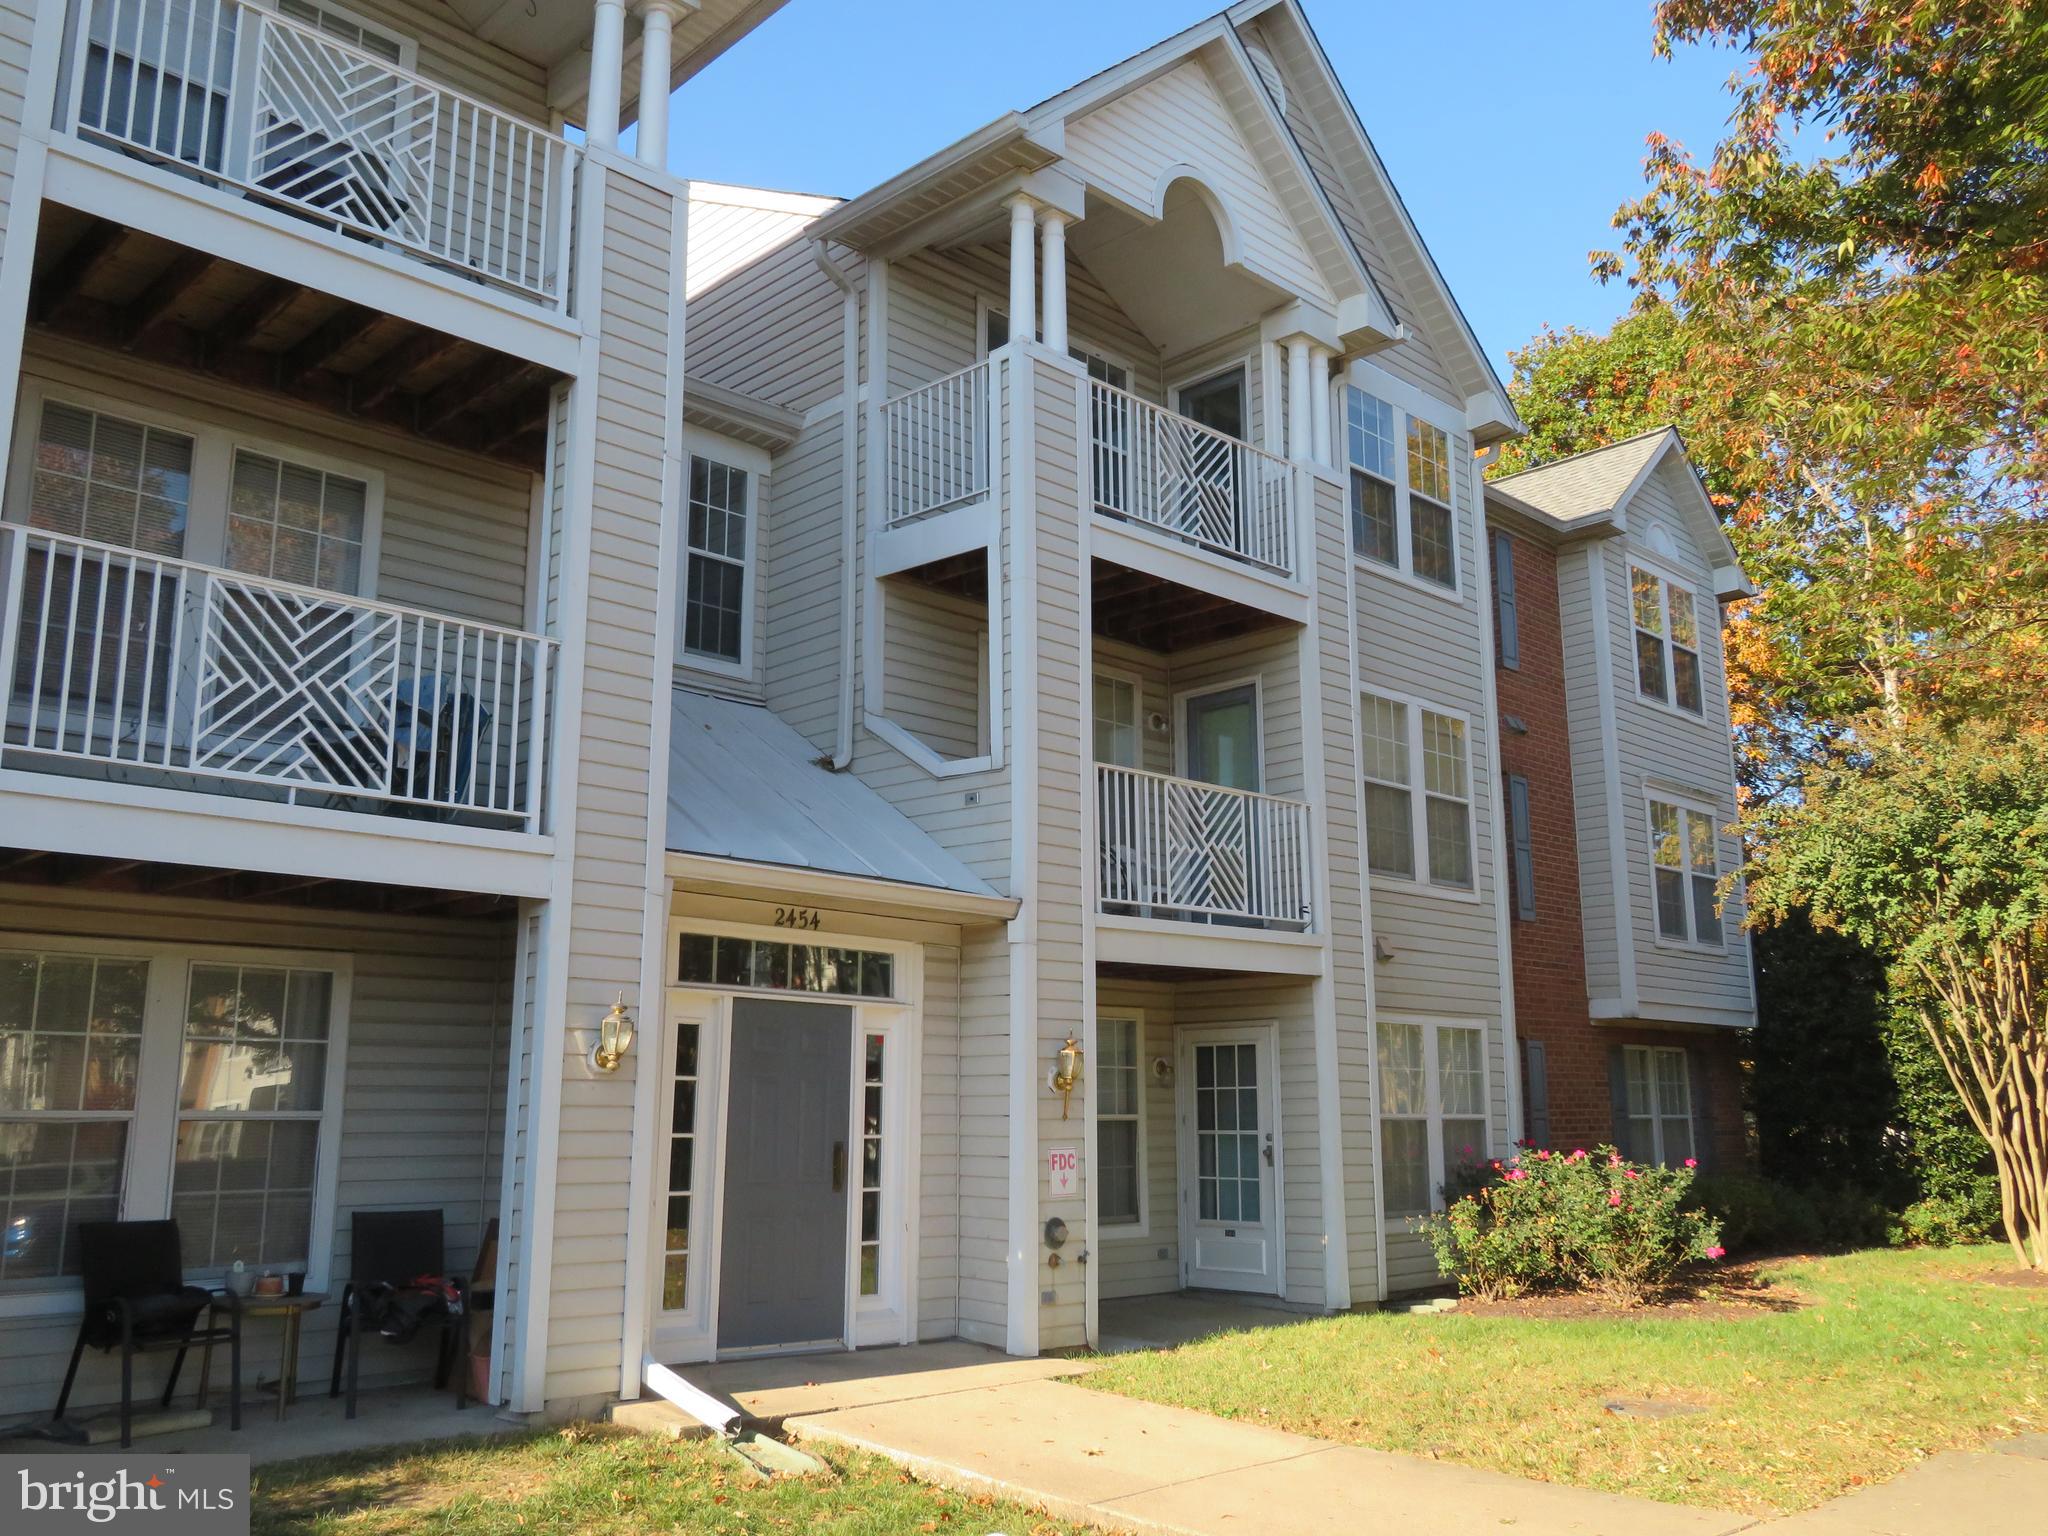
(290, 686)
(934, 448)
(1179, 848)
(342, 134)
(1190, 480)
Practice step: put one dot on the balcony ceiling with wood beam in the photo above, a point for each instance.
(101, 283)
(191, 882)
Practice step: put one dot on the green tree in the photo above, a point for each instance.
(1931, 846)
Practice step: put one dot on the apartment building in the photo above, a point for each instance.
(1632, 979)
(1014, 720)
(345, 390)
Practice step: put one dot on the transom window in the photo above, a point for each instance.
(771, 965)
(205, 1100)
(1432, 1109)
(1659, 1103)
(1667, 641)
(1394, 737)
(1398, 469)
(1119, 1149)
(717, 578)
(293, 523)
(1685, 864)
(103, 477)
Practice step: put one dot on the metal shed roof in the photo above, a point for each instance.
(746, 785)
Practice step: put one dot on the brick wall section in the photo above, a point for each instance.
(1549, 951)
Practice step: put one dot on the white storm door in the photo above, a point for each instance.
(1229, 1160)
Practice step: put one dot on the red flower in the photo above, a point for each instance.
(1614, 1197)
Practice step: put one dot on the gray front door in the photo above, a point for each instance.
(782, 1264)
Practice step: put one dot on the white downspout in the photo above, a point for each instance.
(849, 490)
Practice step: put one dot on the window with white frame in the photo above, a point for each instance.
(1116, 720)
(1686, 871)
(1667, 641)
(1395, 737)
(871, 1164)
(103, 477)
(1432, 1080)
(1119, 1137)
(291, 522)
(996, 334)
(205, 1098)
(719, 575)
(1659, 1103)
(349, 29)
(1403, 507)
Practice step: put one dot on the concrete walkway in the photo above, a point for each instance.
(1127, 1465)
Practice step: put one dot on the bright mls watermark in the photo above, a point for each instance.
(160, 1495)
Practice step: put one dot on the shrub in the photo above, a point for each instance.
(1573, 1221)
(1942, 1221)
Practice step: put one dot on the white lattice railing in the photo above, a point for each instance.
(1178, 848)
(935, 444)
(1155, 467)
(251, 99)
(161, 671)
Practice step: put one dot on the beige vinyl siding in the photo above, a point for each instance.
(594, 1149)
(772, 329)
(1581, 586)
(1127, 144)
(421, 1111)
(1146, 1262)
(1410, 1264)
(452, 54)
(937, 1174)
(734, 227)
(1059, 777)
(1446, 946)
(17, 29)
(455, 526)
(934, 648)
(1660, 746)
(984, 1135)
(798, 590)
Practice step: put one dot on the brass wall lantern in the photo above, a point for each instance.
(615, 1033)
(1066, 1073)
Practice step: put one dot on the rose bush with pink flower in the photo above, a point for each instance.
(1603, 1224)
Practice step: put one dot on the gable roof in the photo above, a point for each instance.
(745, 785)
(1590, 492)
(1019, 144)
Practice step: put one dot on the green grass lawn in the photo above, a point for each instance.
(1899, 1354)
(587, 1481)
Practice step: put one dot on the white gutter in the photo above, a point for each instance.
(849, 510)
(713, 1413)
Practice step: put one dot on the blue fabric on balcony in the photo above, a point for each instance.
(744, 784)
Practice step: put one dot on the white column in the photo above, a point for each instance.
(657, 30)
(1023, 306)
(1319, 403)
(1054, 254)
(1299, 404)
(607, 66)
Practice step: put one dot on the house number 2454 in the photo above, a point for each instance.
(805, 918)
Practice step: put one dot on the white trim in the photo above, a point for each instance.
(849, 892)
(1136, 684)
(1171, 942)
(148, 1169)
(1599, 604)
(1142, 1227)
(1022, 1306)
(1264, 1034)
(729, 453)
(1499, 809)
(1661, 573)
(1684, 802)
(1432, 1114)
(1402, 403)
(1420, 882)
(1657, 1115)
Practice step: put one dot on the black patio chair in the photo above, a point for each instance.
(136, 1299)
(388, 1251)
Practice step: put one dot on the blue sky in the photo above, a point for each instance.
(1513, 130)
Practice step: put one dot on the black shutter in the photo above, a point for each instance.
(1536, 1095)
(1617, 1093)
(1524, 846)
(1702, 1110)
(1506, 628)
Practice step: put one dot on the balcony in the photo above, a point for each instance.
(122, 665)
(1182, 850)
(935, 446)
(1199, 486)
(240, 97)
